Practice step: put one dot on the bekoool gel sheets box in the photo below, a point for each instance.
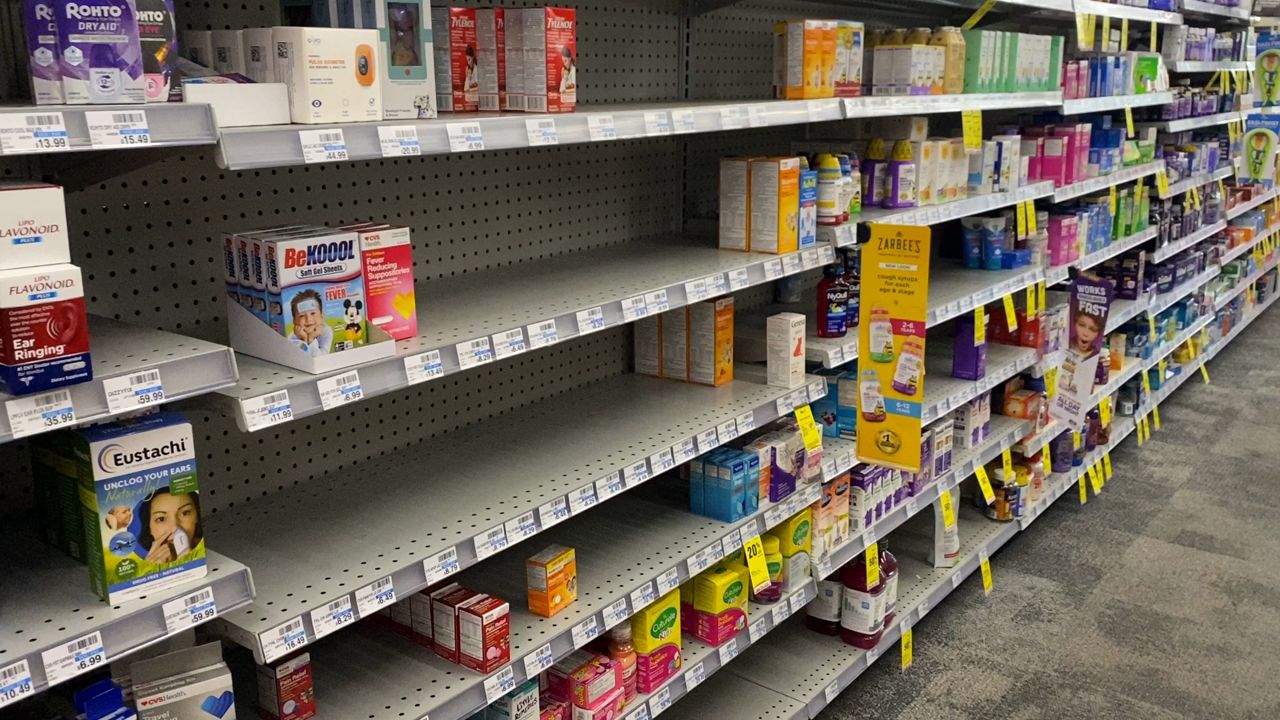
(319, 285)
(140, 503)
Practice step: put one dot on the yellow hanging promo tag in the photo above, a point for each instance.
(1138, 431)
(1031, 216)
(984, 565)
(984, 484)
(1195, 197)
(1104, 411)
(1032, 310)
(757, 566)
(1010, 314)
(1093, 480)
(1006, 458)
(906, 643)
(978, 15)
(1154, 43)
(1164, 367)
(1124, 35)
(808, 428)
(1151, 323)
(1106, 33)
(971, 123)
(1022, 220)
(1051, 382)
(1042, 293)
(1146, 428)
(1162, 182)
(1102, 479)
(1204, 373)
(1075, 441)
(1146, 382)
(1047, 460)
(871, 557)
(1106, 465)
(1113, 201)
(979, 325)
(1083, 42)
(948, 510)
(1084, 491)
(1128, 122)
(1222, 191)
(1155, 417)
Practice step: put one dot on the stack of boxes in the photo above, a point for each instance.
(768, 204)
(817, 59)
(691, 344)
(997, 61)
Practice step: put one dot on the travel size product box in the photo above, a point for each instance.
(406, 53)
(228, 51)
(158, 36)
(321, 291)
(332, 73)
(33, 225)
(140, 504)
(188, 683)
(519, 704)
(675, 344)
(484, 633)
(44, 336)
(286, 690)
(457, 73)
(735, 204)
(197, 46)
(101, 54)
(550, 59)
(259, 55)
(784, 340)
(552, 579)
(711, 341)
(775, 205)
(386, 255)
(491, 55)
(43, 55)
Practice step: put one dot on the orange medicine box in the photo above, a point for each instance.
(552, 576)
(775, 205)
(711, 341)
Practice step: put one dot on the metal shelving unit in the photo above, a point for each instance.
(527, 307)
(124, 358)
(559, 458)
(62, 128)
(1117, 102)
(1186, 184)
(1195, 238)
(1118, 177)
(1245, 207)
(1194, 123)
(1207, 66)
(933, 214)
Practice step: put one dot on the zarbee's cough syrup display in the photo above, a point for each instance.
(44, 336)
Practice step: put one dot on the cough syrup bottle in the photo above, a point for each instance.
(861, 606)
(833, 304)
(823, 613)
(889, 576)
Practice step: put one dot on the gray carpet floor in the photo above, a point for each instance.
(1159, 600)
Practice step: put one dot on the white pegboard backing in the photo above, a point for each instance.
(628, 50)
(237, 467)
(150, 240)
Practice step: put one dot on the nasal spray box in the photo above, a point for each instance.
(332, 73)
(407, 59)
(43, 55)
(457, 74)
(44, 336)
(101, 53)
(186, 684)
(140, 503)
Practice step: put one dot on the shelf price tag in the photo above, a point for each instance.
(520, 527)
(643, 596)
(80, 655)
(283, 639)
(659, 701)
(465, 137)
(423, 366)
(971, 120)
(542, 334)
(333, 616)
(1128, 119)
(728, 651)
(746, 422)
(511, 342)
(131, 392)
(39, 413)
(582, 498)
(541, 131)
(189, 611)
(554, 512)
(590, 320)
(984, 564)
(1010, 314)
(636, 473)
(474, 352)
(373, 597)
(832, 691)
(808, 428)
(320, 146)
(118, 128)
(668, 580)
(538, 660)
(948, 511)
(608, 486)
(489, 542)
(42, 132)
(657, 123)
(733, 117)
(657, 301)
(708, 440)
(686, 449)
(871, 556)
(441, 566)
(585, 631)
(15, 682)
(499, 684)
(791, 263)
(753, 550)
(340, 390)
(662, 461)
(616, 612)
(399, 141)
(634, 308)
(984, 484)
(694, 676)
(906, 643)
(641, 713)
(683, 121)
(696, 290)
(600, 127)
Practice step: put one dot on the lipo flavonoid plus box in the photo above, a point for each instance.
(550, 38)
(139, 497)
(44, 337)
(406, 58)
(386, 253)
(33, 225)
(259, 55)
(332, 73)
(457, 73)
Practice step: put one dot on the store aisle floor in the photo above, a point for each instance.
(1159, 600)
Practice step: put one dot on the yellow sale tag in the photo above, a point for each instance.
(1128, 121)
(1124, 38)
(1204, 373)
(872, 559)
(1083, 22)
(1138, 432)
(1104, 410)
(984, 484)
(1106, 465)
(1048, 461)
(1231, 135)
(1155, 416)
(1164, 367)
(1102, 479)
(1010, 314)
(1093, 480)
(757, 567)
(1162, 182)
(948, 511)
(971, 122)
(1006, 457)
(1153, 36)
(978, 15)
(1022, 220)
(1042, 292)
(906, 643)
(1032, 310)
(979, 325)
(1151, 323)
(1146, 382)
(1075, 441)
(1222, 191)
(808, 428)
(1106, 33)
(1031, 216)
(1084, 491)
(984, 564)
(1146, 428)
(1113, 200)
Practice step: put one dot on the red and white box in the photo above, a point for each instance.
(491, 53)
(457, 67)
(550, 38)
(444, 620)
(286, 691)
(513, 67)
(44, 336)
(33, 225)
(386, 252)
(484, 633)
